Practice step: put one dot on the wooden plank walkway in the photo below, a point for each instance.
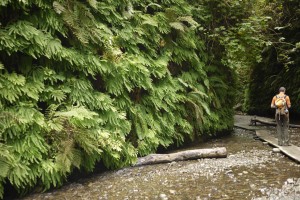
(244, 122)
(291, 151)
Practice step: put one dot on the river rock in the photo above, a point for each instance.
(172, 191)
(163, 197)
(290, 181)
(276, 150)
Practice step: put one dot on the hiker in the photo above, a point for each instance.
(282, 103)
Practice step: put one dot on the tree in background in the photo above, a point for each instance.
(280, 59)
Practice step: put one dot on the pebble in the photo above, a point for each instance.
(253, 186)
(172, 191)
(276, 150)
(290, 181)
(163, 197)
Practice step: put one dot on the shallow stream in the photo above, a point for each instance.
(251, 171)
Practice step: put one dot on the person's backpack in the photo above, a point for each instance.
(280, 104)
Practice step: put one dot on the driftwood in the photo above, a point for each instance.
(253, 122)
(220, 152)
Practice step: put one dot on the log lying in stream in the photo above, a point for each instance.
(254, 120)
(220, 152)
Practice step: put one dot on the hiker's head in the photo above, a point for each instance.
(282, 89)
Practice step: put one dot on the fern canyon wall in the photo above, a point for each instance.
(87, 81)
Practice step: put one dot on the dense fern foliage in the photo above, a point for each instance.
(280, 63)
(89, 81)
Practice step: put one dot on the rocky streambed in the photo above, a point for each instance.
(251, 171)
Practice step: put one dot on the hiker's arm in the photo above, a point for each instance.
(288, 102)
(273, 103)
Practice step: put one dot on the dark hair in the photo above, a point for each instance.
(281, 89)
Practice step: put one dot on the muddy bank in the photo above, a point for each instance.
(251, 171)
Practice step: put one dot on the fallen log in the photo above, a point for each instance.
(220, 152)
(253, 122)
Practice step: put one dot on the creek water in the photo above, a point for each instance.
(251, 171)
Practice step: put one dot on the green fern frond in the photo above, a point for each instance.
(58, 7)
(93, 3)
(188, 19)
(178, 26)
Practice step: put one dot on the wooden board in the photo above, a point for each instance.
(251, 122)
(244, 122)
(291, 151)
(270, 123)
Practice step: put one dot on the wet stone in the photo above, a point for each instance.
(172, 191)
(163, 197)
(276, 150)
(290, 181)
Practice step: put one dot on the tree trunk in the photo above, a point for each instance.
(220, 152)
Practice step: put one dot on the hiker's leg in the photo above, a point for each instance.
(279, 129)
(286, 136)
